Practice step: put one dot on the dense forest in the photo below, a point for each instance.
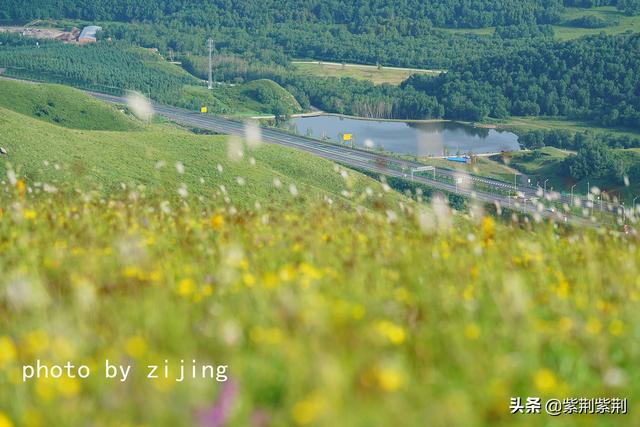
(118, 66)
(567, 140)
(104, 67)
(593, 78)
(520, 70)
(409, 17)
(279, 43)
(392, 32)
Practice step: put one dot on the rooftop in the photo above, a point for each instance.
(89, 32)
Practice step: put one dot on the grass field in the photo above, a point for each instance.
(62, 105)
(325, 300)
(107, 159)
(483, 167)
(148, 154)
(516, 123)
(565, 31)
(250, 99)
(545, 163)
(322, 314)
(540, 165)
(362, 72)
(619, 22)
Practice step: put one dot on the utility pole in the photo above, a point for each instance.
(210, 44)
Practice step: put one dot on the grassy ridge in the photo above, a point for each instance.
(63, 106)
(105, 159)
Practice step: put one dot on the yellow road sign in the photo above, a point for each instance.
(347, 137)
(203, 109)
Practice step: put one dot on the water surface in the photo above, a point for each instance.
(420, 139)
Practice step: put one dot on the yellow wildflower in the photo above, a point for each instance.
(68, 387)
(186, 287)
(306, 411)
(389, 379)
(616, 327)
(5, 421)
(20, 187)
(136, 347)
(488, 228)
(29, 214)
(394, 333)
(472, 331)
(248, 279)
(593, 326)
(545, 380)
(217, 222)
(7, 351)
(565, 324)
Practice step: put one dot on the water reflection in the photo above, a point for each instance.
(421, 139)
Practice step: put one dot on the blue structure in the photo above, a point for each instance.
(458, 159)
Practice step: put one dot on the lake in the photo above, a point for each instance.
(419, 139)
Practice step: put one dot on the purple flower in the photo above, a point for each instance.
(218, 414)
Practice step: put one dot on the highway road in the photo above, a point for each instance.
(363, 159)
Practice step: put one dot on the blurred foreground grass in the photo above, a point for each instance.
(326, 313)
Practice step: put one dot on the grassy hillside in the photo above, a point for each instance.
(157, 245)
(520, 123)
(545, 163)
(267, 93)
(63, 106)
(43, 152)
(540, 165)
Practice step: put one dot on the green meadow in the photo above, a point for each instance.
(326, 298)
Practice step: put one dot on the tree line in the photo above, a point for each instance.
(593, 78)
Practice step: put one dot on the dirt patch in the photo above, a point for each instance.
(44, 33)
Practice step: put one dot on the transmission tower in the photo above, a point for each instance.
(210, 43)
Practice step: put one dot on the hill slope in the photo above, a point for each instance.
(43, 152)
(63, 106)
(320, 314)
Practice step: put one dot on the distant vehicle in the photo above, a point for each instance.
(551, 209)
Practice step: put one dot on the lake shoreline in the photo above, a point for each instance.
(435, 137)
